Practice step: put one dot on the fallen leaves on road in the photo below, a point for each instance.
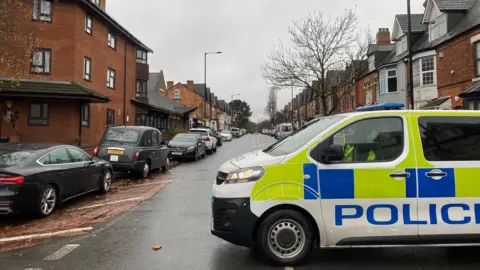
(156, 248)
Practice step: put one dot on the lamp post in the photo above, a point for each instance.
(410, 55)
(205, 81)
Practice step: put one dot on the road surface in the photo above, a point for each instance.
(178, 220)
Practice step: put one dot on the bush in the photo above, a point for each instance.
(174, 131)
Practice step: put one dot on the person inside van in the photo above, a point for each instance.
(357, 146)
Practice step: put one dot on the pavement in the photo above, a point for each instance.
(176, 221)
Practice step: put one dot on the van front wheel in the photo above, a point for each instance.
(285, 237)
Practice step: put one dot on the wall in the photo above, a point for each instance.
(188, 98)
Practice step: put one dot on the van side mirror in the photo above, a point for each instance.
(332, 154)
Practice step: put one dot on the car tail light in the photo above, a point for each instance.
(137, 155)
(12, 180)
(95, 151)
(207, 139)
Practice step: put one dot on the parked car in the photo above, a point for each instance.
(187, 146)
(35, 178)
(284, 130)
(226, 135)
(215, 134)
(236, 132)
(208, 137)
(134, 149)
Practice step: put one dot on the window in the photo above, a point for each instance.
(112, 39)
(38, 114)
(402, 45)
(87, 69)
(89, 24)
(110, 117)
(85, 115)
(370, 140)
(56, 157)
(147, 138)
(121, 135)
(176, 94)
(41, 61)
(392, 81)
(450, 138)
(78, 155)
(96, 2)
(141, 88)
(141, 57)
(111, 78)
(424, 71)
(371, 62)
(438, 27)
(477, 57)
(42, 10)
(155, 139)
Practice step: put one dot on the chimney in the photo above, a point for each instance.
(190, 85)
(383, 36)
(169, 85)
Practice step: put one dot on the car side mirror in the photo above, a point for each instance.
(94, 160)
(332, 154)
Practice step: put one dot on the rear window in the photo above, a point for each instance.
(121, 135)
(10, 158)
(455, 138)
(201, 132)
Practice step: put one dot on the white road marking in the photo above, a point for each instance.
(62, 252)
(115, 202)
(44, 235)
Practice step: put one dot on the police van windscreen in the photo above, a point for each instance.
(302, 136)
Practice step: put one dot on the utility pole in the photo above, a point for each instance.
(410, 55)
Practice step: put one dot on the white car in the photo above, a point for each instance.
(210, 140)
(226, 135)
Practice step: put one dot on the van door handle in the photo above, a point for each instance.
(400, 174)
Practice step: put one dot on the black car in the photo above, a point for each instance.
(187, 145)
(135, 149)
(36, 177)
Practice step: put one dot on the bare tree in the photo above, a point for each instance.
(17, 39)
(271, 108)
(320, 44)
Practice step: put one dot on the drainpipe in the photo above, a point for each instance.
(125, 86)
(80, 129)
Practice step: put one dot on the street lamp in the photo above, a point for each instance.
(205, 81)
(235, 95)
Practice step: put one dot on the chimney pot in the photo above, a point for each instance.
(383, 36)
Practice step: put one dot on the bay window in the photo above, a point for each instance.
(424, 71)
(437, 27)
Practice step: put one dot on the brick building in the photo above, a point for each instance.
(83, 70)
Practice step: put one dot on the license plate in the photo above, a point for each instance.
(115, 152)
(176, 153)
(113, 158)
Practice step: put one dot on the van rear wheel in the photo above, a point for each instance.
(285, 237)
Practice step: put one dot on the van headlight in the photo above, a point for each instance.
(245, 175)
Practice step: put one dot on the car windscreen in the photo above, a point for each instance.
(184, 138)
(201, 132)
(11, 158)
(121, 135)
(302, 136)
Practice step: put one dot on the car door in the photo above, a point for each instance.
(448, 176)
(156, 150)
(146, 149)
(163, 149)
(369, 196)
(87, 172)
(60, 170)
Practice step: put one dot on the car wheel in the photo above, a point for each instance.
(167, 165)
(47, 201)
(106, 181)
(285, 237)
(146, 170)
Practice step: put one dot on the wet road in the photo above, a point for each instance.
(178, 219)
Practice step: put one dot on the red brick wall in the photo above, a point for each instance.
(188, 98)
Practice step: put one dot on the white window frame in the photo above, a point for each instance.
(41, 61)
(89, 24)
(111, 78)
(42, 10)
(112, 40)
(437, 27)
(389, 77)
(418, 72)
(401, 45)
(87, 69)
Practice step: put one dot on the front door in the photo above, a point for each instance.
(369, 197)
(448, 177)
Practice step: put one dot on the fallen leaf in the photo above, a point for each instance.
(156, 248)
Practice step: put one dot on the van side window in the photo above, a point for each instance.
(370, 140)
(454, 138)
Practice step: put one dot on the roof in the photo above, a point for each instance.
(199, 88)
(379, 47)
(473, 90)
(166, 104)
(156, 81)
(417, 25)
(453, 4)
(104, 15)
(31, 146)
(435, 102)
(49, 89)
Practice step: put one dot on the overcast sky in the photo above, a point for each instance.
(180, 31)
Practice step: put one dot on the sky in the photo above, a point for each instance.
(246, 31)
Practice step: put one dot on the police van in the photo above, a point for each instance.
(363, 179)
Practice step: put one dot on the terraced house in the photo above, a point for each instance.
(80, 77)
